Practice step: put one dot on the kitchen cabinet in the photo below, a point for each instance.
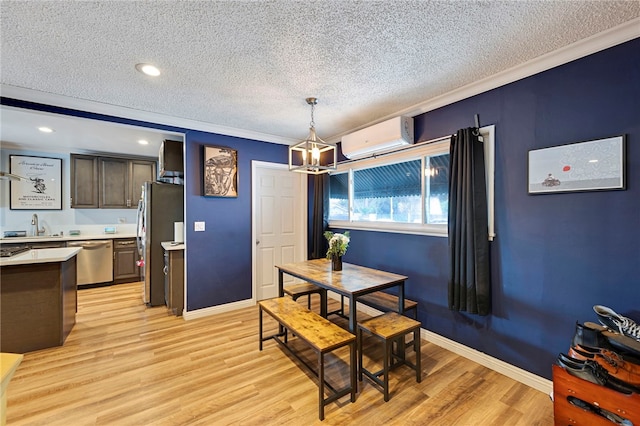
(121, 181)
(113, 183)
(38, 301)
(84, 181)
(109, 182)
(174, 277)
(125, 256)
(140, 171)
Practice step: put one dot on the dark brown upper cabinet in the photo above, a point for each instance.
(108, 182)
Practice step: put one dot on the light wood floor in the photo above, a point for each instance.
(124, 364)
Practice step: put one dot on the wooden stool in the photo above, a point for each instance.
(307, 289)
(390, 327)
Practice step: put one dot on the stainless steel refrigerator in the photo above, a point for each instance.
(161, 205)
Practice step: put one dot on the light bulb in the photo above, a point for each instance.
(315, 156)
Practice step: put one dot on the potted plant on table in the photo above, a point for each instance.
(338, 244)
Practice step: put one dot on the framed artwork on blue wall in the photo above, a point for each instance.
(220, 172)
(594, 165)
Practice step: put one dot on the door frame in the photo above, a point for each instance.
(302, 239)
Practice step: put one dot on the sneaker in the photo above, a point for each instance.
(617, 322)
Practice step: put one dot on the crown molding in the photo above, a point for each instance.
(612, 37)
(61, 101)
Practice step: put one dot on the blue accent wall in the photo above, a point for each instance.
(555, 255)
(219, 259)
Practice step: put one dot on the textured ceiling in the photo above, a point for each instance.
(250, 64)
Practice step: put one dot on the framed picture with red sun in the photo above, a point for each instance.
(595, 165)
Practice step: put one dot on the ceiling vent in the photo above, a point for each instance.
(381, 137)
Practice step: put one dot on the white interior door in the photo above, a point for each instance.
(279, 223)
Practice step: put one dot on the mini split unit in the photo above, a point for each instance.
(382, 137)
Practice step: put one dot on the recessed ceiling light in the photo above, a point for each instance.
(143, 142)
(45, 129)
(148, 69)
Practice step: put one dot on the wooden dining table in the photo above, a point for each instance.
(351, 282)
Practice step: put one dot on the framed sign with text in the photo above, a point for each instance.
(40, 186)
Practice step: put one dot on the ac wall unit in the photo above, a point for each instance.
(381, 137)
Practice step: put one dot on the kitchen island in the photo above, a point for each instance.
(38, 299)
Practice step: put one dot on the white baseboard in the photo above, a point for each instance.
(513, 372)
(228, 307)
(536, 382)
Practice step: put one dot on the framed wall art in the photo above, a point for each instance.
(220, 177)
(584, 166)
(41, 185)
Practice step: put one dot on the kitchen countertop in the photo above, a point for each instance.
(41, 256)
(82, 237)
(170, 245)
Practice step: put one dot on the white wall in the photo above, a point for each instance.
(89, 221)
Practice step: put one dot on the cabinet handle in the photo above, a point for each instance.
(165, 270)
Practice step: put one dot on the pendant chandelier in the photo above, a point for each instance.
(313, 155)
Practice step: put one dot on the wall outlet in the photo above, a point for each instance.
(198, 226)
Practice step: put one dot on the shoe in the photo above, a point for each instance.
(616, 322)
(616, 419)
(621, 343)
(590, 338)
(612, 362)
(592, 372)
(582, 404)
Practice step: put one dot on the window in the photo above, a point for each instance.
(405, 191)
(389, 193)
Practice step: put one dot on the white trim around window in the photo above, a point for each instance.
(420, 150)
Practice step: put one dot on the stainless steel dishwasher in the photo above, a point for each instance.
(95, 261)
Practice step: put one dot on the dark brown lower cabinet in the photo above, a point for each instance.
(125, 256)
(174, 280)
(38, 305)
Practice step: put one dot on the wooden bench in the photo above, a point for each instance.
(307, 289)
(320, 334)
(388, 303)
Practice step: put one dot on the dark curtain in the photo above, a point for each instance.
(469, 282)
(319, 219)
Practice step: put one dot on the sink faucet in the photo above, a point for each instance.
(34, 225)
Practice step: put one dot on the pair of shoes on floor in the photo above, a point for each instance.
(617, 323)
(593, 372)
(611, 361)
(592, 335)
(616, 419)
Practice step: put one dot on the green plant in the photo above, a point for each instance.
(338, 243)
